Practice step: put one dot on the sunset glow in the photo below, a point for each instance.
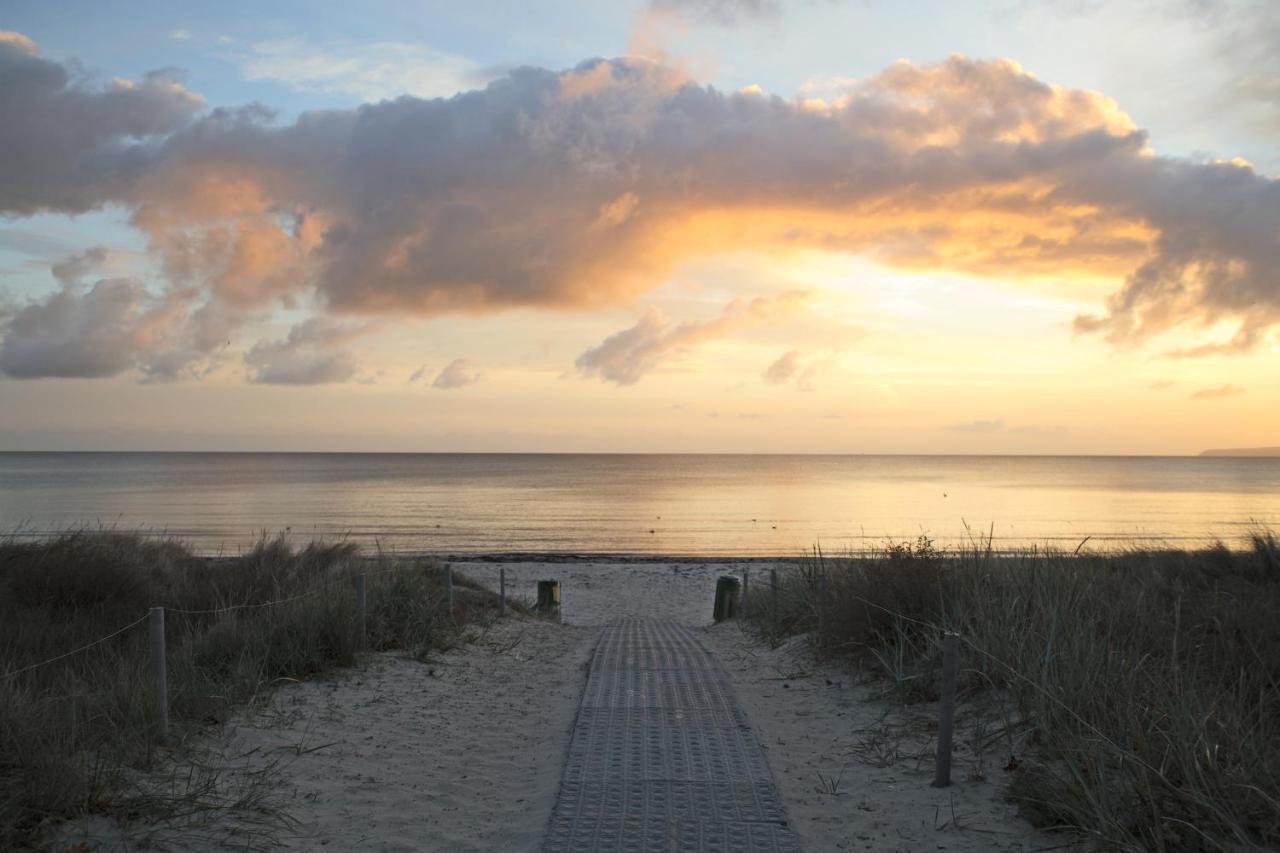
(953, 252)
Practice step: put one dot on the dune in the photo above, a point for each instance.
(464, 752)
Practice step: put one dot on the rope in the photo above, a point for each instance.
(252, 606)
(1037, 687)
(83, 648)
(232, 607)
(10, 675)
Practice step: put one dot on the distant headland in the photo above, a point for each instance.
(1243, 451)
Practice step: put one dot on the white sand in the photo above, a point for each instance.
(465, 754)
(817, 725)
(595, 593)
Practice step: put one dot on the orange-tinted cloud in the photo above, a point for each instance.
(1221, 391)
(590, 186)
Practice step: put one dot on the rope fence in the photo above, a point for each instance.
(951, 639)
(156, 617)
(84, 648)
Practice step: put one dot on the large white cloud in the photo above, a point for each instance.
(587, 187)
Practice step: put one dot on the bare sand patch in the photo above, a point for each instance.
(465, 752)
(853, 770)
(462, 753)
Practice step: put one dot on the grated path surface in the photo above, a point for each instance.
(661, 758)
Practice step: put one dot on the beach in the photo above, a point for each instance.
(464, 751)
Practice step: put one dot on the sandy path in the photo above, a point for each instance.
(460, 754)
(466, 754)
(816, 724)
(596, 593)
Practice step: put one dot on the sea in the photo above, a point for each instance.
(673, 505)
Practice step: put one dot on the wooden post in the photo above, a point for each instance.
(549, 597)
(947, 707)
(159, 675)
(746, 597)
(822, 603)
(726, 604)
(773, 600)
(360, 602)
(448, 587)
(502, 591)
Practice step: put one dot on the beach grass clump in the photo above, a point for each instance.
(1145, 684)
(74, 730)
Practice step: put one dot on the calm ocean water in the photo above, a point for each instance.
(712, 505)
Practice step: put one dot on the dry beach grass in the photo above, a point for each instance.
(77, 734)
(1131, 697)
(1142, 689)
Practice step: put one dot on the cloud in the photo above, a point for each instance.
(67, 145)
(588, 187)
(180, 35)
(31, 243)
(625, 357)
(109, 326)
(457, 374)
(311, 354)
(1160, 385)
(1217, 393)
(1246, 34)
(718, 11)
(981, 427)
(786, 368)
(89, 330)
(373, 71)
(417, 374)
(1041, 430)
(791, 367)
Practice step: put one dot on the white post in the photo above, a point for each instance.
(502, 591)
(947, 707)
(159, 675)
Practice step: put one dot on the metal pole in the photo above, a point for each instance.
(360, 601)
(947, 707)
(502, 591)
(159, 676)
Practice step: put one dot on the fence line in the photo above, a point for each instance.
(317, 591)
(9, 675)
(250, 606)
(1137, 759)
(84, 648)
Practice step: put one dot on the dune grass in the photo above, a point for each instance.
(73, 731)
(1145, 685)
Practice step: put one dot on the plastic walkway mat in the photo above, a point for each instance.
(661, 758)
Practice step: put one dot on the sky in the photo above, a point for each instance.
(787, 226)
